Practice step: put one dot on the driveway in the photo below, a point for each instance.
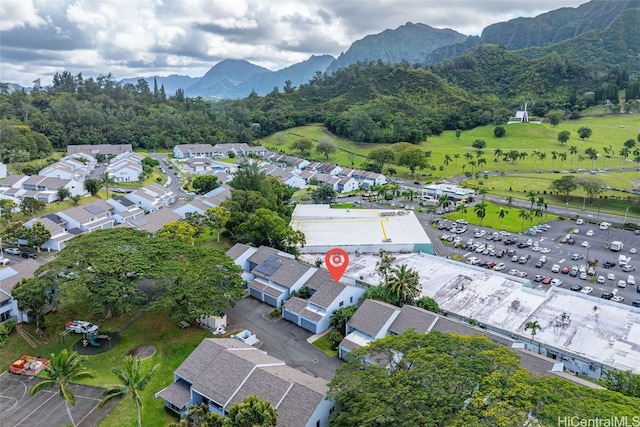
(281, 338)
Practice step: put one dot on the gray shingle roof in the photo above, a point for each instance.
(418, 319)
(178, 393)
(237, 250)
(287, 274)
(261, 254)
(295, 305)
(266, 288)
(327, 290)
(226, 371)
(371, 317)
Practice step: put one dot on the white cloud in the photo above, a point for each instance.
(19, 13)
(146, 37)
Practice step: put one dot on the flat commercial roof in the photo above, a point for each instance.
(596, 329)
(357, 228)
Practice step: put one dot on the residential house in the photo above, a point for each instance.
(187, 151)
(77, 167)
(287, 175)
(325, 179)
(152, 197)
(327, 295)
(125, 167)
(124, 210)
(46, 188)
(199, 164)
(57, 226)
(110, 150)
(9, 277)
(155, 220)
(223, 371)
(292, 161)
(88, 218)
(240, 149)
(210, 200)
(347, 185)
(324, 168)
(368, 179)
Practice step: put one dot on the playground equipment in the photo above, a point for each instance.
(90, 338)
(81, 327)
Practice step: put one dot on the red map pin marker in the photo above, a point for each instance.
(336, 261)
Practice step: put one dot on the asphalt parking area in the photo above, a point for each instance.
(47, 409)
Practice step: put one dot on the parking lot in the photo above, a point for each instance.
(587, 242)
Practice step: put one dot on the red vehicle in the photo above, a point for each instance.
(547, 280)
(564, 270)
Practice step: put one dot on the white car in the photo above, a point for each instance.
(589, 233)
(545, 250)
(611, 276)
(556, 282)
(12, 251)
(555, 268)
(513, 272)
(617, 298)
(632, 251)
(600, 279)
(579, 221)
(585, 244)
(499, 266)
(586, 290)
(81, 327)
(622, 283)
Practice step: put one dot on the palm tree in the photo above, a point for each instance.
(509, 200)
(501, 214)
(573, 150)
(444, 201)
(460, 207)
(536, 156)
(554, 156)
(447, 160)
(481, 211)
(456, 156)
(404, 284)
(563, 158)
(542, 156)
(497, 153)
(531, 195)
(132, 382)
(61, 370)
(472, 163)
(524, 214)
(534, 326)
(624, 153)
(106, 180)
(522, 156)
(593, 155)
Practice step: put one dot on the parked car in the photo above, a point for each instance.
(556, 268)
(27, 254)
(617, 298)
(609, 264)
(12, 251)
(576, 288)
(611, 276)
(538, 278)
(622, 283)
(587, 290)
(547, 280)
(499, 266)
(628, 268)
(583, 276)
(589, 233)
(522, 274)
(606, 295)
(556, 282)
(564, 270)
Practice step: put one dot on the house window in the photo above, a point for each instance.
(318, 423)
(341, 303)
(351, 300)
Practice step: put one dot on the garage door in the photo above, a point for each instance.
(292, 317)
(255, 293)
(270, 300)
(309, 326)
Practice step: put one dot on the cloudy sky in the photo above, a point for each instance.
(131, 38)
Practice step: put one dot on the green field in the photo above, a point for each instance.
(511, 222)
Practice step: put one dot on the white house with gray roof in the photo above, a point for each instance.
(152, 197)
(221, 372)
(187, 151)
(90, 217)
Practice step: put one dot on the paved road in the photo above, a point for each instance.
(281, 338)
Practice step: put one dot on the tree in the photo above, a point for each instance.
(534, 327)
(531, 196)
(132, 382)
(592, 186)
(326, 146)
(563, 136)
(92, 186)
(205, 183)
(625, 382)
(150, 161)
(501, 214)
(340, 317)
(63, 368)
(63, 194)
(30, 205)
(438, 376)
(427, 303)
(458, 133)
(6, 208)
(412, 158)
(37, 235)
(196, 282)
(200, 416)
(524, 214)
(323, 195)
(33, 296)
(630, 143)
(593, 155)
(381, 156)
(265, 227)
(252, 412)
(179, 230)
(13, 231)
(75, 199)
(218, 219)
(383, 266)
(303, 145)
(584, 133)
(499, 131)
(509, 200)
(554, 119)
(565, 185)
(481, 211)
(479, 144)
(106, 180)
(403, 284)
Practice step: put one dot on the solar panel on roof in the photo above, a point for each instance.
(269, 265)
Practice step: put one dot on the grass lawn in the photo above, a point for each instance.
(324, 344)
(172, 345)
(511, 222)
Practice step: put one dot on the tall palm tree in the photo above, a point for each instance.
(554, 156)
(593, 155)
(501, 214)
(106, 180)
(524, 214)
(132, 382)
(497, 153)
(456, 157)
(624, 153)
(460, 207)
(522, 156)
(509, 200)
(447, 160)
(563, 158)
(531, 196)
(61, 370)
(444, 201)
(481, 211)
(573, 150)
(536, 156)
(542, 156)
(534, 326)
(404, 284)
